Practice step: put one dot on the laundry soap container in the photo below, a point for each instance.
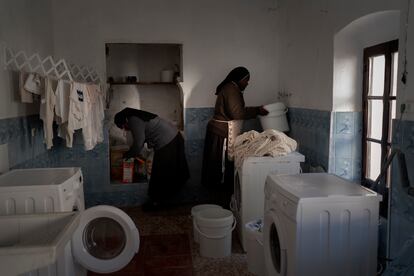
(254, 247)
(276, 119)
(194, 212)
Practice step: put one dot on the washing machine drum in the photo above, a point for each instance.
(106, 239)
(275, 249)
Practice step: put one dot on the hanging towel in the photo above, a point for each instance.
(25, 96)
(268, 143)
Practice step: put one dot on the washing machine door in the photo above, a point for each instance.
(275, 249)
(106, 239)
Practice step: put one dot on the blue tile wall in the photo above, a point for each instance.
(195, 125)
(311, 129)
(17, 133)
(345, 157)
(402, 205)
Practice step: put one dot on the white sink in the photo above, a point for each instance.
(28, 242)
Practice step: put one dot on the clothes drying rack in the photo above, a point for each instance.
(60, 69)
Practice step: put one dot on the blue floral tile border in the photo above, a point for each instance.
(345, 157)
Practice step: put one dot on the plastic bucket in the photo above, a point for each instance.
(167, 76)
(254, 247)
(197, 209)
(214, 227)
(275, 120)
(275, 107)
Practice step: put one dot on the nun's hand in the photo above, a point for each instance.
(263, 111)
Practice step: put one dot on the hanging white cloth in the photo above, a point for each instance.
(25, 96)
(268, 143)
(47, 107)
(79, 109)
(33, 84)
(93, 130)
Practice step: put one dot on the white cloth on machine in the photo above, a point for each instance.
(267, 143)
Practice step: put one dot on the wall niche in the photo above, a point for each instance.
(146, 77)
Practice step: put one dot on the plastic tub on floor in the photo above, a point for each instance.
(197, 209)
(215, 227)
(254, 247)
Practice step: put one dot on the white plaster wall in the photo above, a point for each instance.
(306, 53)
(24, 25)
(349, 44)
(216, 36)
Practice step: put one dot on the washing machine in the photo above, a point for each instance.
(106, 238)
(247, 202)
(319, 224)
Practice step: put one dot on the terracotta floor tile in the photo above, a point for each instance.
(167, 245)
(169, 272)
(176, 261)
(167, 248)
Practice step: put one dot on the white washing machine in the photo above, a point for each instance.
(106, 238)
(249, 181)
(45, 190)
(319, 224)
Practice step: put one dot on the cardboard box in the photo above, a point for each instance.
(116, 159)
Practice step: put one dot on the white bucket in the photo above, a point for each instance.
(278, 106)
(167, 76)
(215, 227)
(276, 119)
(254, 248)
(197, 209)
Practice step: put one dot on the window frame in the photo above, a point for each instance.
(387, 49)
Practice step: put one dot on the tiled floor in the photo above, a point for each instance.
(167, 248)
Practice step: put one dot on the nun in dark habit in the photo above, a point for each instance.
(222, 129)
(169, 169)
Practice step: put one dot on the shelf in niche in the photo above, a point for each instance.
(140, 83)
(119, 183)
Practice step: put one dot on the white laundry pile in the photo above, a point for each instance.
(72, 105)
(267, 143)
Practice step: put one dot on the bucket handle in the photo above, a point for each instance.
(214, 237)
(233, 204)
(259, 241)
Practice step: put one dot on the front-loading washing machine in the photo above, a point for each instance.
(247, 202)
(319, 225)
(106, 238)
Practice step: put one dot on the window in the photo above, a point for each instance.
(379, 105)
